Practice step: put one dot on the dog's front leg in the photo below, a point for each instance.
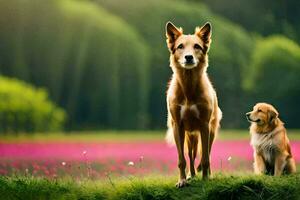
(179, 136)
(280, 162)
(259, 164)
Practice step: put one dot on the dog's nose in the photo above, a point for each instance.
(189, 58)
(248, 114)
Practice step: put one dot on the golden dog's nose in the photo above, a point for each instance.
(248, 116)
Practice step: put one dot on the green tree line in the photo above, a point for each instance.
(106, 62)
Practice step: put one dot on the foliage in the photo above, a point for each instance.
(273, 76)
(24, 108)
(93, 63)
(274, 17)
(154, 187)
(106, 62)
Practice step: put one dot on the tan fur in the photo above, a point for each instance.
(193, 112)
(272, 152)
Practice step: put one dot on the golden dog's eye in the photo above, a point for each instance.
(180, 46)
(259, 110)
(197, 46)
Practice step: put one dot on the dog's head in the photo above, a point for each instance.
(188, 50)
(262, 114)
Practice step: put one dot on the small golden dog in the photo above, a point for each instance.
(272, 151)
(191, 99)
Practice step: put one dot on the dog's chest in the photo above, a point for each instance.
(190, 115)
(266, 145)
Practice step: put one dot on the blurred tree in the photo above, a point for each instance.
(93, 63)
(266, 17)
(273, 76)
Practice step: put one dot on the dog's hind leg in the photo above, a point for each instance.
(290, 166)
(215, 124)
(205, 161)
(211, 140)
(192, 143)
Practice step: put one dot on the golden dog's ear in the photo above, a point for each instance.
(272, 115)
(204, 32)
(172, 33)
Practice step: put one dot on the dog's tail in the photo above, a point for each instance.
(170, 137)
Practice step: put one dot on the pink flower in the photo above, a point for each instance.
(141, 158)
(130, 163)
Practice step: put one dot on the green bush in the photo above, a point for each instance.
(274, 76)
(24, 108)
(230, 52)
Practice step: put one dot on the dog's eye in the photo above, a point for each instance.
(180, 46)
(259, 110)
(197, 46)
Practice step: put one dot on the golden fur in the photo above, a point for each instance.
(191, 99)
(272, 152)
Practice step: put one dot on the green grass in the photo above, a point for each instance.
(86, 136)
(121, 136)
(153, 187)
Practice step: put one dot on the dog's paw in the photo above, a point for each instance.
(190, 177)
(182, 183)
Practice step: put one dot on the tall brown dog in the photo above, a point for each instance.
(191, 99)
(272, 151)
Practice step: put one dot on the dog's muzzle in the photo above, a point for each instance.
(249, 118)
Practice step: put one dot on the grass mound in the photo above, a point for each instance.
(152, 187)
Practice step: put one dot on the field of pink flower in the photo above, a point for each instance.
(98, 159)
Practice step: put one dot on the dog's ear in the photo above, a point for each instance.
(172, 33)
(272, 114)
(204, 33)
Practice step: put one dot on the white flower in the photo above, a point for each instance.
(63, 163)
(84, 152)
(229, 158)
(130, 163)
